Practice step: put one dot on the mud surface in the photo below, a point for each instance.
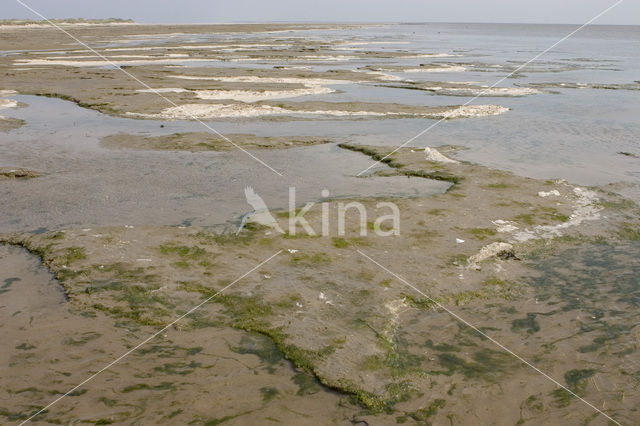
(392, 353)
(205, 142)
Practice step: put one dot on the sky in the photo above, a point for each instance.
(214, 11)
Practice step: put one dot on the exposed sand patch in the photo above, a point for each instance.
(311, 86)
(432, 154)
(238, 110)
(7, 123)
(8, 103)
(253, 96)
(164, 90)
(207, 111)
(469, 111)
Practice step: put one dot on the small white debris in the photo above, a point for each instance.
(129, 226)
(293, 251)
(299, 305)
(459, 241)
(86, 230)
(266, 276)
(321, 296)
(547, 194)
(144, 260)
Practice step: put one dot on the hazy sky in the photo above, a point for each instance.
(538, 11)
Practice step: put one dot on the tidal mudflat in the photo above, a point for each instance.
(350, 320)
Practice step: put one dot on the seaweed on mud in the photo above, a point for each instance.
(611, 334)
(442, 347)
(307, 384)
(144, 386)
(8, 282)
(422, 415)
(487, 364)
(437, 175)
(482, 233)
(174, 368)
(16, 416)
(246, 313)
(398, 360)
(228, 238)
(104, 107)
(577, 382)
(372, 402)
(311, 258)
(260, 346)
(629, 231)
(529, 324)
(25, 346)
(151, 317)
(268, 393)
(83, 339)
(373, 154)
(339, 242)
